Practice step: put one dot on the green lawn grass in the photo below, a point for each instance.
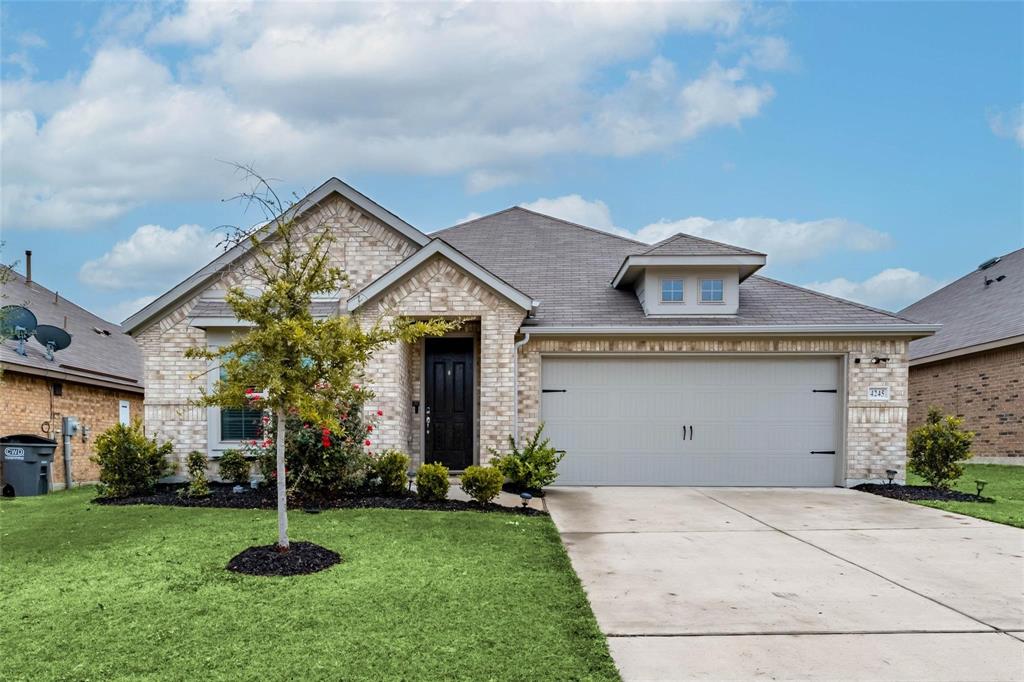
(99, 593)
(1005, 486)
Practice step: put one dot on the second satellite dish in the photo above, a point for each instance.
(17, 322)
(54, 338)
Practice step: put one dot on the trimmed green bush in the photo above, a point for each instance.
(234, 467)
(936, 450)
(531, 467)
(482, 483)
(198, 486)
(390, 469)
(432, 482)
(130, 463)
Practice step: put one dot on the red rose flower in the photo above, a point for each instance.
(369, 428)
(380, 413)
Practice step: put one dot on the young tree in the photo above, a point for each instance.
(288, 362)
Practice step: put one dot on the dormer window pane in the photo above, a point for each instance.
(712, 291)
(672, 290)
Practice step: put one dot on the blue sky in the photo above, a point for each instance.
(875, 150)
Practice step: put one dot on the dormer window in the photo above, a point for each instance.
(712, 291)
(671, 290)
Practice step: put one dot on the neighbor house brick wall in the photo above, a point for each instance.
(437, 288)
(363, 247)
(26, 408)
(875, 432)
(986, 389)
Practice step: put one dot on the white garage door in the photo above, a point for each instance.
(694, 421)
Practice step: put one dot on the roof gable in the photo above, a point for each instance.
(687, 245)
(211, 270)
(445, 250)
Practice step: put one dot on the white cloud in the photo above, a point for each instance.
(576, 209)
(1008, 124)
(785, 241)
(484, 90)
(890, 289)
(122, 310)
(152, 258)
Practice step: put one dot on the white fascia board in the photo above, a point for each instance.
(631, 263)
(199, 278)
(913, 330)
(967, 350)
(439, 247)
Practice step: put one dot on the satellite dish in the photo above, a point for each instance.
(54, 338)
(17, 322)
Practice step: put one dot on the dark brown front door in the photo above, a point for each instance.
(448, 409)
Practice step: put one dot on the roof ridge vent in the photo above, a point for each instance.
(989, 263)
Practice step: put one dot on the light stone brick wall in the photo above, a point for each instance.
(438, 288)
(364, 247)
(876, 432)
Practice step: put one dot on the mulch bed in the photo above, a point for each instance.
(919, 492)
(509, 488)
(266, 498)
(300, 559)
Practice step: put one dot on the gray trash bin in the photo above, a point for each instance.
(27, 460)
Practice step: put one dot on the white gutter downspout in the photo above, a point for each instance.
(515, 380)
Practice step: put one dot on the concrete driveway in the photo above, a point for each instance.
(795, 584)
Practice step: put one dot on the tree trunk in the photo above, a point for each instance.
(282, 497)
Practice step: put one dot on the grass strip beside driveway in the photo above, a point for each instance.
(93, 592)
(1005, 486)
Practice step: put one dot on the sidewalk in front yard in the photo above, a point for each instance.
(795, 584)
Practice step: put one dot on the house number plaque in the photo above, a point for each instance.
(878, 393)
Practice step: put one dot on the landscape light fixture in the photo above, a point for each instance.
(411, 475)
(525, 497)
(980, 485)
(891, 473)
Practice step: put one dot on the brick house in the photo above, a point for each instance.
(664, 365)
(974, 366)
(97, 379)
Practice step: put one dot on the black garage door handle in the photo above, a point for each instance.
(823, 452)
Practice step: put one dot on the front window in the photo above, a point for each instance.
(672, 290)
(712, 291)
(239, 423)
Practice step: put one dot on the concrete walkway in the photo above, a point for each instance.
(795, 584)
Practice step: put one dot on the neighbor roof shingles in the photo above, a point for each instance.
(970, 312)
(569, 267)
(91, 358)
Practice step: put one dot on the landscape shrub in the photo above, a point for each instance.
(937, 449)
(531, 467)
(390, 469)
(320, 464)
(482, 484)
(234, 467)
(130, 464)
(198, 485)
(432, 482)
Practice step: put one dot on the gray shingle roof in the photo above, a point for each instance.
(688, 245)
(96, 358)
(568, 268)
(970, 312)
(219, 308)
